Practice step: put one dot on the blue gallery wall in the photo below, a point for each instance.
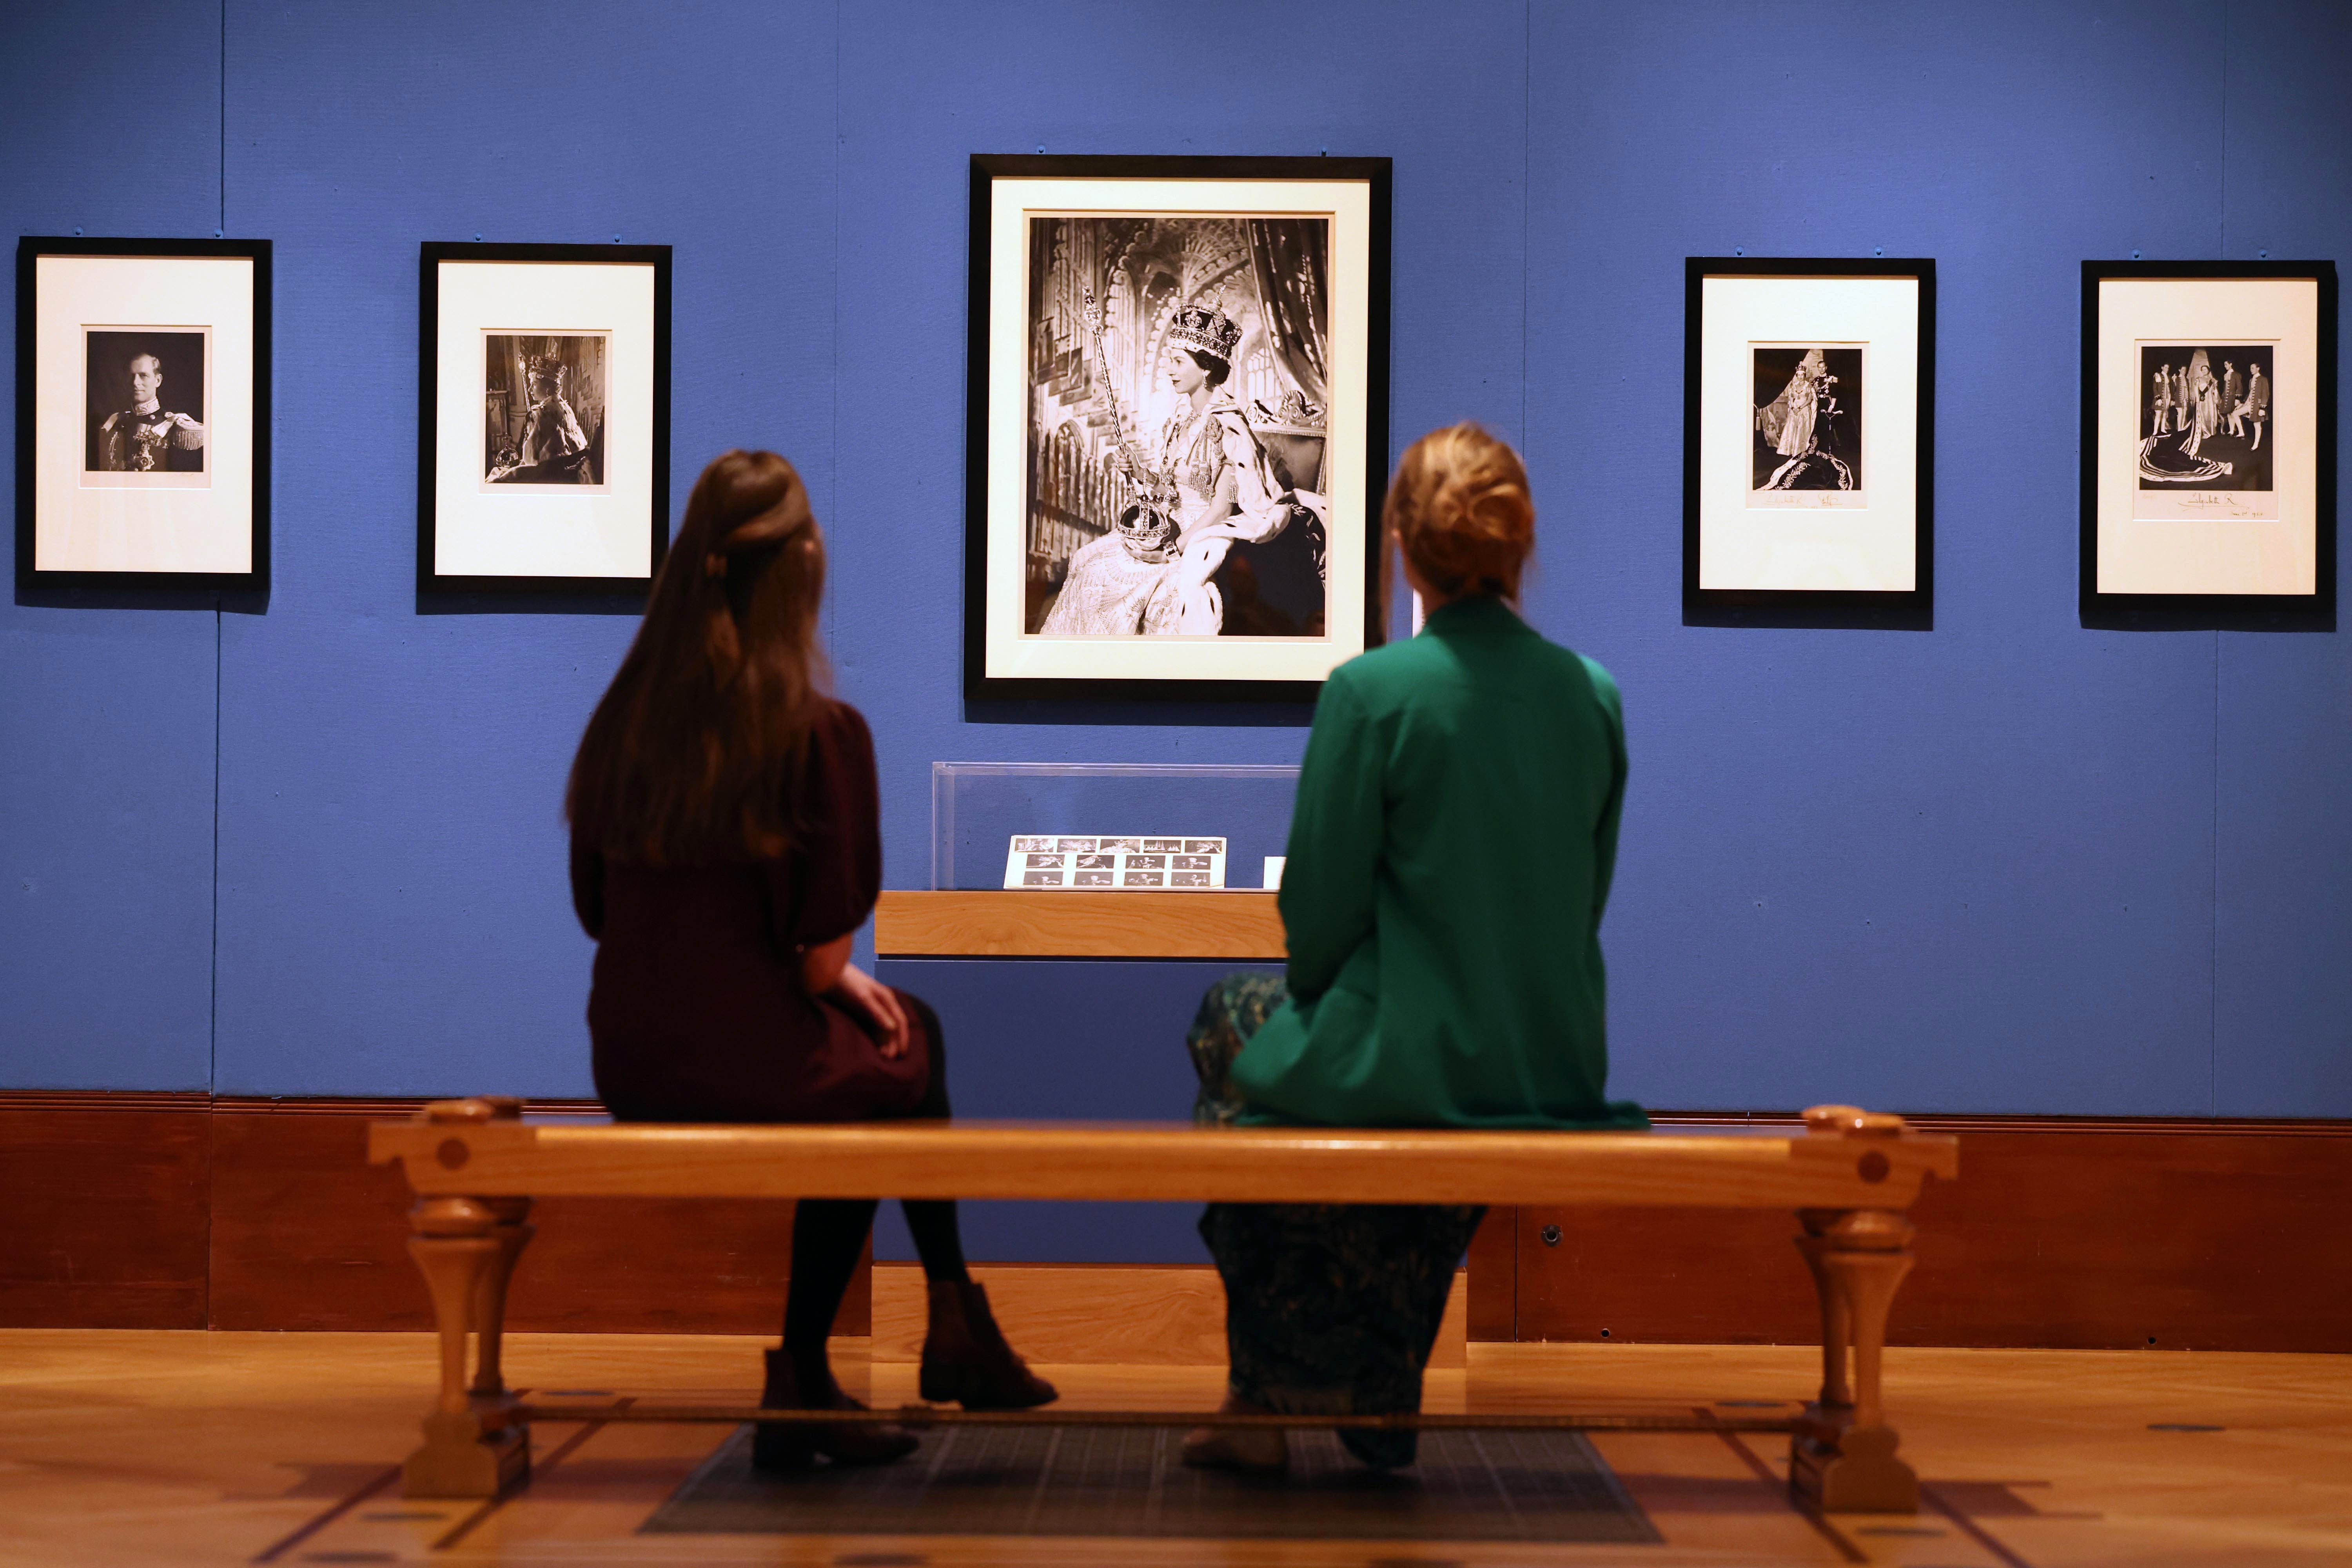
(1889, 867)
(2009, 865)
(394, 914)
(107, 717)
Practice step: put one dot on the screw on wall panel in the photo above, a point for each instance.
(1604, 1334)
(2135, 256)
(1738, 252)
(77, 231)
(478, 236)
(1878, 250)
(616, 239)
(2265, 254)
(1551, 1238)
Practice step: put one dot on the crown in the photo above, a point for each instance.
(1205, 328)
(547, 366)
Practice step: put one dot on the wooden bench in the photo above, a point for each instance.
(476, 1166)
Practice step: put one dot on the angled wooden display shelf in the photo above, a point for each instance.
(1073, 923)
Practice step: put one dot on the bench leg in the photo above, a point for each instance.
(1836, 1333)
(470, 1448)
(1844, 1461)
(513, 1233)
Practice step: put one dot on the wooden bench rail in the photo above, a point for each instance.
(476, 1166)
(1148, 1162)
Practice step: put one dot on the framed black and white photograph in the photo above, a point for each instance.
(543, 410)
(1808, 445)
(1178, 424)
(1808, 438)
(142, 413)
(2208, 419)
(543, 450)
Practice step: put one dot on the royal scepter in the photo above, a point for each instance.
(1131, 449)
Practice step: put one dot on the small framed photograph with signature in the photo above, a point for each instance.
(1807, 434)
(2208, 420)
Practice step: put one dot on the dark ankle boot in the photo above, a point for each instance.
(775, 1447)
(966, 1359)
(787, 1446)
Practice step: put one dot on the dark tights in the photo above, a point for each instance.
(829, 1233)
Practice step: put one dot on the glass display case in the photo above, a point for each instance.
(977, 807)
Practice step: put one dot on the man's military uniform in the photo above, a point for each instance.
(152, 442)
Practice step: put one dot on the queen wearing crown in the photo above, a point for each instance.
(550, 435)
(1207, 484)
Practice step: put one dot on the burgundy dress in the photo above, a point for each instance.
(697, 1012)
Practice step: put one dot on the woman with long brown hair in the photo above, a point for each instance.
(725, 847)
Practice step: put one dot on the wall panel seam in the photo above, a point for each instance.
(2213, 906)
(212, 999)
(833, 422)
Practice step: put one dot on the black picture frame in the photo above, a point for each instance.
(30, 248)
(1913, 609)
(1377, 174)
(2315, 611)
(431, 255)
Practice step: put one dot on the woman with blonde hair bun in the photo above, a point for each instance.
(1449, 856)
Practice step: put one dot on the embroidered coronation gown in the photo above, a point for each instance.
(1120, 587)
(1789, 419)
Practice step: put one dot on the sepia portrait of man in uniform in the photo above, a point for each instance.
(148, 436)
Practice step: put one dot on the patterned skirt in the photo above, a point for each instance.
(1330, 1309)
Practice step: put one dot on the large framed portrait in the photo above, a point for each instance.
(1808, 440)
(1178, 424)
(2209, 442)
(543, 428)
(142, 413)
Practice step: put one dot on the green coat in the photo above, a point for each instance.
(1449, 857)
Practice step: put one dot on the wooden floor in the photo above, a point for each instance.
(151, 1447)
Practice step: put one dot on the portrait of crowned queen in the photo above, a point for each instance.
(1176, 440)
(543, 404)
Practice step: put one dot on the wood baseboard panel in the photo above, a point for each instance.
(306, 1235)
(104, 1219)
(146, 1211)
(2113, 1236)
(1128, 1314)
(187, 1211)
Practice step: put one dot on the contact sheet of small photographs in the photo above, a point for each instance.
(1060, 860)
